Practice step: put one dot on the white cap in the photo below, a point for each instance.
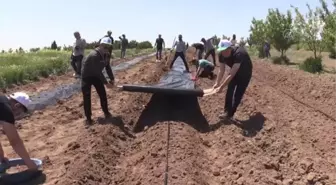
(106, 40)
(22, 98)
(223, 45)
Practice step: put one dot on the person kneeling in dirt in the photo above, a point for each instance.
(180, 52)
(204, 69)
(92, 74)
(237, 58)
(12, 107)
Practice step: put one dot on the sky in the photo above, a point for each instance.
(36, 23)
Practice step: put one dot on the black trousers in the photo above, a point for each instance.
(212, 52)
(235, 92)
(207, 72)
(158, 53)
(86, 90)
(180, 54)
(76, 63)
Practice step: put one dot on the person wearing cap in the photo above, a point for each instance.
(204, 68)
(109, 35)
(11, 108)
(237, 58)
(180, 52)
(124, 45)
(92, 74)
(199, 46)
(77, 54)
(209, 49)
(159, 44)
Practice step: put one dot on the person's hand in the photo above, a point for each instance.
(110, 85)
(215, 86)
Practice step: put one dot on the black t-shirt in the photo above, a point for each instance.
(6, 113)
(238, 55)
(159, 43)
(198, 46)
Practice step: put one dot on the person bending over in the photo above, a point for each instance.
(209, 49)
(180, 52)
(204, 69)
(93, 65)
(199, 47)
(237, 58)
(12, 107)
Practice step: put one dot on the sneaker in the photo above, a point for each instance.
(108, 115)
(225, 116)
(88, 122)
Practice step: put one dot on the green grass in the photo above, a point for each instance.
(18, 68)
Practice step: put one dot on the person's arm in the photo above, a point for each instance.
(220, 75)
(199, 72)
(234, 69)
(109, 72)
(17, 144)
(120, 38)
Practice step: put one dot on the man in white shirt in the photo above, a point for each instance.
(180, 52)
(77, 54)
(209, 49)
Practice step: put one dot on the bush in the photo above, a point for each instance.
(332, 54)
(280, 60)
(312, 65)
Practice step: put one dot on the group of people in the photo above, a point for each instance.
(79, 46)
(229, 54)
(92, 65)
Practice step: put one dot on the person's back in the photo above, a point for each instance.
(93, 64)
(244, 58)
(203, 63)
(159, 43)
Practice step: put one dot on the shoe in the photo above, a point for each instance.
(225, 116)
(108, 115)
(88, 122)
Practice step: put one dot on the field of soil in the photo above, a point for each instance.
(284, 134)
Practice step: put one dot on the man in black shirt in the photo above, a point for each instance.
(237, 58)
(12, 107)
(199, 48)
(92, 74)
(159, 44)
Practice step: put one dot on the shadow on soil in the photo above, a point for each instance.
(117, 121)
(179, 108)
(24, 178)
(249, 127)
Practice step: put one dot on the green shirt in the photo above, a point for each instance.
(204, 63)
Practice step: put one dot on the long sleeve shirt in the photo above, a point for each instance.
(93, 65)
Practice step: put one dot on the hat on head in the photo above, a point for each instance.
(106, 40)
(22, 98)
(223, 45)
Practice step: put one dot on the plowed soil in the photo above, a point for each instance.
(284, 133)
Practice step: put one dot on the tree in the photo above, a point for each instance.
(21, 50)
(2, 51)
(132, 44)
(144, 45)
(10, 50)
(258, 35)
(279, 30)
(309, 28)
(53, 45)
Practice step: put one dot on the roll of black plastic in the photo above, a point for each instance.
(163, 90)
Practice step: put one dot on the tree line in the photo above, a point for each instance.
(133, 44)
